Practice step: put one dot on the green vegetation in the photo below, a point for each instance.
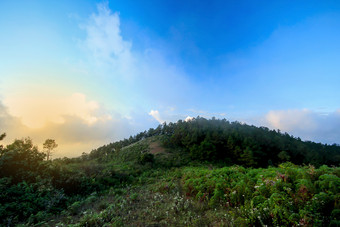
(196, 173)
(49, 145)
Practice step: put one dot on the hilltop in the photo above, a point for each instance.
(233, 143)
(196, 173)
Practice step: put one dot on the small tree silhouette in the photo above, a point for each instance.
(49, 145)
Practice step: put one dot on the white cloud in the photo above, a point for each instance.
(168, 116)
(307, 124)
(36, 110)
(105, 43)
(74, 134)
(292, 119)
(140, 74)
(188, 118)
(155, 114)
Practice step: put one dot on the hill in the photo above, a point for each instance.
(196, 173)
(234, 143)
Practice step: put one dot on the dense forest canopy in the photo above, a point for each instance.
(218, 140)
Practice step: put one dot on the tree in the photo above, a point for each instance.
(2, 136)
(21, 160)
(247, 157)
(49, 145)
(284, 156)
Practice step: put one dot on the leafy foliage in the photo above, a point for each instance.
(204, 176)
(21, 161)
(287, 195)
(33, 189)
(49, 145)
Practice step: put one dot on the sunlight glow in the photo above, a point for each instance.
(36, 110)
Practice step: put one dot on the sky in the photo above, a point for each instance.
(87, 73)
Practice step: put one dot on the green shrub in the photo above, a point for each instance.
(146, 158)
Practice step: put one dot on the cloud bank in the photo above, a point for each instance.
(76, 124)
(307, 124)
(35, 109)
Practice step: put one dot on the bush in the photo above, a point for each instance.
(275, 196)
(146, 158)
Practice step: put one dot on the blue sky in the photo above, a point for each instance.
(90, 72)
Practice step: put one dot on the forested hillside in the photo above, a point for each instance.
(235, 143)
(195, 173)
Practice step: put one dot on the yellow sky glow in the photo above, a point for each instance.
(37, 109)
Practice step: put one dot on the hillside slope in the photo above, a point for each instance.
(234, 143)
(165, 190)
(197, 173)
